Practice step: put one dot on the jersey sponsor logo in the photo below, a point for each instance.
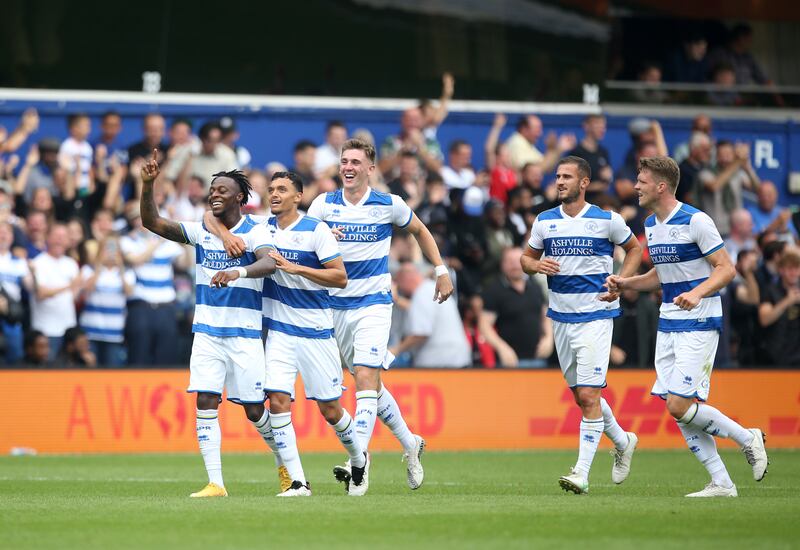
(664, 254)
(364, 233)
(571, 247)
(218, 260)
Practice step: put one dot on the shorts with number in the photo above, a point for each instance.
(583, 350)
(684, 361)
(315, 359)
(231, 363)
(363, 335)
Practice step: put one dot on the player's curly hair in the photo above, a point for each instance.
(241, 179)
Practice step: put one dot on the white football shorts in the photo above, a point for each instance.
(684, 361)
(363, 335)
(583, 350)
(315, 359)
(231, 363)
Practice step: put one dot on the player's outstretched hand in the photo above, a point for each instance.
(150, 170)
(222, 278)
(234, 246)
(686, 301)
(548, 266)
(283, 264)
(444, 288)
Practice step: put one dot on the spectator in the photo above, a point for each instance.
(768, 215)
(532, 178)
(780, 311)
(500, 236)
(642, 131)
(189, 203)
(410, 138)
(57, 283)
(408, 185)
(28, 124)
(736, 54)
(304, 156)
(767, 271)
(433, 332)
(702, 124)
(77, 250)
(689, 63)
(513, 318)
(150, 326)
(213, 156)
(522, 145)
(592, 151)
(498, 160)
(326, 161)
(458, 174)
(153, 127)
(633, 342)
(37, 226)
(520, 202)
(14, 276)
(182, 145)
(741, 235)
(695, 169)
(723, 194)
(743, 295)
(434, 203)
(650, 76)
(37, 349)
(76, 351)
(230, 137)
(41, 169)
(75, 155)
(724, 78)
(106, 286)
(108, 146)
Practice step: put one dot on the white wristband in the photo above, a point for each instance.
(440, 270)
(242, 271)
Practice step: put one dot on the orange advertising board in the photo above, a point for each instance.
(60, 411)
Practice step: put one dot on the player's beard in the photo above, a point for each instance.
(571, 197)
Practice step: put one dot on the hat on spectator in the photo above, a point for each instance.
(49, 144)
(472, 201)
(638, 126)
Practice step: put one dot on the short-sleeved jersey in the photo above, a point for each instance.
(103, 315)
(154, 278)
(234, 310)
(583, 246)
(294, 304)
(678, 247)
(367, 228)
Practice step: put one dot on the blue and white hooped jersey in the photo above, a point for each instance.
(155, 278)
(367, 228)
(294, 304)
(234, 310)
(103, 315)
(583, 246)
(678, 247)
(12, 272)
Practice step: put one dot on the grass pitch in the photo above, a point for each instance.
(469, 500)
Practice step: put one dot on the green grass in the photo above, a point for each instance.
(474, 499)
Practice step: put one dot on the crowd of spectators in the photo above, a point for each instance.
(84, 284)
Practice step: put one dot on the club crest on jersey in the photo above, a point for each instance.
(375, 212)
(674, 233)
(297, 238)
(591, 227)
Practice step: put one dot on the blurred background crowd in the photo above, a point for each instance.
(83, 284)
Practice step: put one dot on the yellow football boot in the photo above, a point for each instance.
(210, 490)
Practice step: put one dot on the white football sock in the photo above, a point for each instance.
(209, 437)
(366, 410)
(705, 449)
(389, 413)
(590, 433)
(713, 422)
(345, 431)
(264, 428)
(286, 441)
(612, 428)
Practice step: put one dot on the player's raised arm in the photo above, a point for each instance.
(444, 286)
(233, 244)
(151, 219)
